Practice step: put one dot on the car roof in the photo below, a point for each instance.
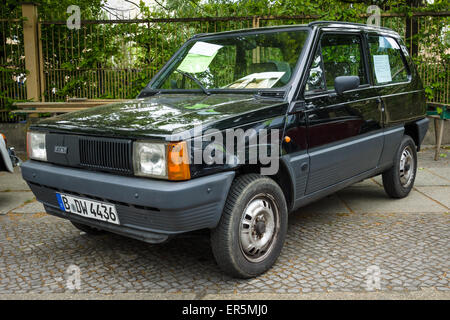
(331, 25)
(352, 26)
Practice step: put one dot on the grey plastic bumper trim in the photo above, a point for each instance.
(174, 207)
(137, 191)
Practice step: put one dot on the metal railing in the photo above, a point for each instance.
(12, 62)
(116, 58)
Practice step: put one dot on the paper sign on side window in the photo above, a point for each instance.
(382, 68)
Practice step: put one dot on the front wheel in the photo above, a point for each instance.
(399, 179)
(253, 226)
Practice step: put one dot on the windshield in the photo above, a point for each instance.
(235, 61)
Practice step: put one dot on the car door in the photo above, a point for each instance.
(344, 132)
(295, 152)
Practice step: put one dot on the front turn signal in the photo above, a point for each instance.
(178, 161)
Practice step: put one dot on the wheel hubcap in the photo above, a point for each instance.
(406, 167)
(259, 227)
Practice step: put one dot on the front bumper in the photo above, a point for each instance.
(149, 210)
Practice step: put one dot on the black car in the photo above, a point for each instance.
(305, 110)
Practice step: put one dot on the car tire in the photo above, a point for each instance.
(399, 179)
(89, 230)
(251, 232)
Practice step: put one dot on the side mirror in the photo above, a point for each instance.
(345, 83)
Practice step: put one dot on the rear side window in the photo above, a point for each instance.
(386, 59)
(338, 55)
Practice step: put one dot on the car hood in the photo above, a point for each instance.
(163, 115)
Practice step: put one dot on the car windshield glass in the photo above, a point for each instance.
(235, 61)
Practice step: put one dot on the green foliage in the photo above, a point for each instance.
(428, 92)
(138, 50)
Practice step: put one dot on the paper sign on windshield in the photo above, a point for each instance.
(199, 57)
(205, 48)
(382, 68)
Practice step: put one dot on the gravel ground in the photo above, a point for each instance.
(354, 242)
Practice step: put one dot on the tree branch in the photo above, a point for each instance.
(119, 18)
(165, 8)
(116, 9)
(132, 3)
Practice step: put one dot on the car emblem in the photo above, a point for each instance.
(60, 149)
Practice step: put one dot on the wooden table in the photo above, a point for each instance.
(439, 122)
(32, 109)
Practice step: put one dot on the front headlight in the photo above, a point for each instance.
(36, 146)
(150, 159)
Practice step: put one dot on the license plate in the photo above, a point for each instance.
(88, 208)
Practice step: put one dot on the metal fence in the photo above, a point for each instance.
(120, 67)
(12, 59)
(436, 76)
(116, 58)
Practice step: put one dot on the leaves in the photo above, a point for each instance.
(429, 92)
(81, 55)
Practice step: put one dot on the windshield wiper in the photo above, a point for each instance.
(190, 76)
(146, 92)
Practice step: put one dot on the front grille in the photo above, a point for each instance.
(106, 154)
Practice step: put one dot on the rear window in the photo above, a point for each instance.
(387, 62)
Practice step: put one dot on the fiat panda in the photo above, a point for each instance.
(316, 108)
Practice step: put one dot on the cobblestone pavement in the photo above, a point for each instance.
(343, 243)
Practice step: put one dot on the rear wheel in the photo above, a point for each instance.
(399, 179)
(89, 230)
(252, 229)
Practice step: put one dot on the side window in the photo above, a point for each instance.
(387, 62)
(342, 56)
(315, 82)
(338, 55)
